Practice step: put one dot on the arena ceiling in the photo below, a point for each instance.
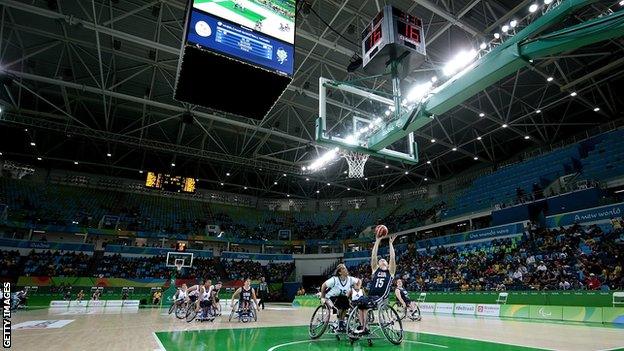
(84, 79)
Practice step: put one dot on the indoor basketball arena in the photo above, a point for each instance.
(289, 175)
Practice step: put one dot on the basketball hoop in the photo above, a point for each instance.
(178, 264)
(356, 162)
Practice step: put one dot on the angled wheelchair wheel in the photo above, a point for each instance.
(400, 310)
(319, 321)
(180, 311)
(353, 322)
(391, 325)
(172, 307)
(191, 313)
(415, 314)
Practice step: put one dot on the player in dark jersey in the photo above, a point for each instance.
(214, 296)
(402, 296)
(380, 285)
(246, 295)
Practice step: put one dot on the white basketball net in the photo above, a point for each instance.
(356, 162)
(178, 264)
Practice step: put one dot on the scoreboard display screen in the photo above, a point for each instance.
(258, 32)
(171, 183)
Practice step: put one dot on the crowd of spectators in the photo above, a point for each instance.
(576, 258)
(71, 264)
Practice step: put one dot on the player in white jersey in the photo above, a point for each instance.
(339, 286)
(356, 292)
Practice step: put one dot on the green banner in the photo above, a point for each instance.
(582, 314)
(544, 298)
(306, 301)
(613, 315)
(546, 312)
(514, 311)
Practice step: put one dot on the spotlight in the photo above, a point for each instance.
(274, 183)
(227, 174)
(461, 60)
(307, 179)
(433, 140)
(573, 94)
(533, 8)
(483, 46)
(387, 112)
(598, 108)
(287, 195)
(382, 185)
(109, 155)
(387, 167)
(75, 162)
(481, 114)
(317, 191)
(548, 2)
(526, 137)
(328, 184)
(348, 189)
(479, 138)
(505, 29)
(434, 79)
(33, 144)
(476, 158)
(428, 162)
(538, 111)
(172, 164)
(425, 179)
(222, 184)
(504, 125)
(496, 36)
(454, 149)
(550, 79)
(513, 24)
(140, 171)
(245, 188)
(39, 159)
(284, 174)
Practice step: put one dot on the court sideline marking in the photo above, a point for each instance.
(322, 340)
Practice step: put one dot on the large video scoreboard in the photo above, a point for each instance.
(171, 183)
(237, 51)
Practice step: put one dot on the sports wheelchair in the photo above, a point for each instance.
(244, 316)
(407, 312)
(205, 314)
(385, 321)
(321, 317)
(179, 308)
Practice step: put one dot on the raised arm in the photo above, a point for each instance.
(374, 262)
(392, 263)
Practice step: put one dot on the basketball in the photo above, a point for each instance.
(381, 231)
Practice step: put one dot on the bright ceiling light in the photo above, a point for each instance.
(433, 140)
(382, 185)
(504, 125)
(538, 111)
(461, 60)
(454, 149)
(573, 94)
(366, 178)
(479, 138)
(505, 29)
(33, 144)
(348, 189)
(406, 172)
(109, 155)
(274, 183)
(434, 79)
(387, 166)
(323, 160)
(425, 179)
(387, 112)
(550, 79)
(245, 188)
(172, 164)
(526, 137)
(317, 191)
(475, 158)
(598, 108)
(307, 179)
(548, 2)
(141, 171)
(622, 3)
(483, 46)
(351, 139)
(287, 195)
(328, 184)
(222, 184)
(38, 158)
(496, 35)
(481, 114)
(227, 174)
(284, 174)
(513, 24)
(533, 8)
(419, 92)
(75, 162)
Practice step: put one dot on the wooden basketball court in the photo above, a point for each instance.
(283, 328)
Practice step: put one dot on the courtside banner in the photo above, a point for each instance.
(97, 303)
(465, 308)
(78, 303)
(488, 310)
(444, 308)
(114, 303)
(59, 303)
(427, 307)
(131, 303)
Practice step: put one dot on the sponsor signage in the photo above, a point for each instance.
(114, 303)
(464, 308)
(546, 312)
(78, 303)
(427, 307)
(488, 310)
(131, 303)
(603, 213)
(97, 303)
(59, 303)
(444, 308)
